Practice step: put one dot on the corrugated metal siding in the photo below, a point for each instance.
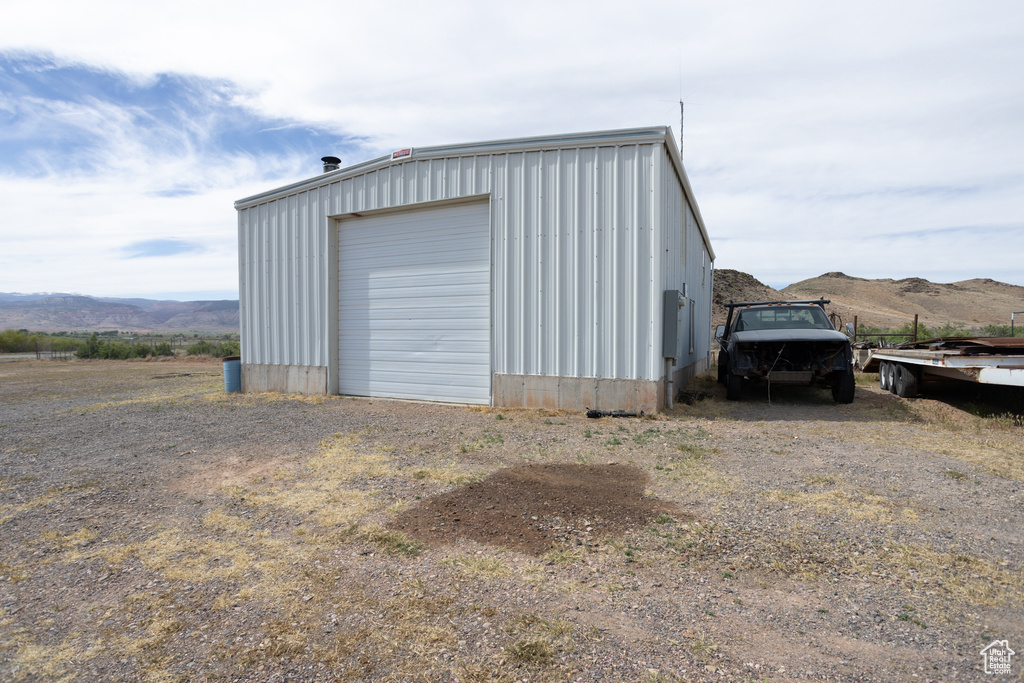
(283, 280)
(584, 240)
(574, 285)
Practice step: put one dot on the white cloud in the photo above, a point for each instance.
(815, 132)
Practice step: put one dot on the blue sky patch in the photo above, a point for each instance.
(72, 117)
(150, 248)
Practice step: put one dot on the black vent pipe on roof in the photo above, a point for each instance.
(331, 164)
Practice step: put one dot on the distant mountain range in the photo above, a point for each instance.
(76, 313)
(884, 302)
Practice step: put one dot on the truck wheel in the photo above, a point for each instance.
(733, 386)
(890, 377)
(723, 366)
(906, 382)
(844, 387)
(883, 375)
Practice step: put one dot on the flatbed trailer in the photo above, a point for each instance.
(985, 360)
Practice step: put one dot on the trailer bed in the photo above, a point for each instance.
(985, 360)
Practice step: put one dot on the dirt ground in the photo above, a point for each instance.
(154, 528)
(533, 508)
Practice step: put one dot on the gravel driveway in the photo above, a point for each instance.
(154, 528)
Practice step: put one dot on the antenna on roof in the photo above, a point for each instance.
(680, 129)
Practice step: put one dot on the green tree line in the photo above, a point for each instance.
(904, 333)
(107, 345)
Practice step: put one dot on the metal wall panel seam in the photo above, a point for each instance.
(317, 225)
(269, 232)
(265, 274)
(294, 267)
(584, 231)
(659, 210)
(302, 275)
(631, 297)
(559, 294)
(499, 276)
(615, 235)
(281, 265)
(654, 360)
(518, 252)
(533, 232)
(252, 280)
(274, 285)
(595, 234)
(242, 280)
(256, 280)
(263, 330)
(569, 187)
(620, 329)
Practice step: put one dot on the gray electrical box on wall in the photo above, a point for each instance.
(673, 301)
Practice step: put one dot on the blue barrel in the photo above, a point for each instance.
(232, 374)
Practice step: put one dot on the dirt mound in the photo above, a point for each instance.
(533, 507)
(891, 303)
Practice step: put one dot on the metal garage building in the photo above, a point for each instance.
(568, 271)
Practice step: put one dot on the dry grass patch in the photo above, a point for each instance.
(321, 488)
(162, 395)
(221, 520)
(996, 454)
(61, 541)
(37, 662)
(11, 510)
(478, 566)
(450, 473)
(692, 469)
(960, 576)
(394, 542)
(860, 505)
(12, 573)
(538, 641)
(565, 555)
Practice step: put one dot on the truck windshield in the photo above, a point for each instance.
(783, 318)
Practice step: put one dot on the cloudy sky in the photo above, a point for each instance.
(881, 139)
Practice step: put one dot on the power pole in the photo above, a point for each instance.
(1011, 322)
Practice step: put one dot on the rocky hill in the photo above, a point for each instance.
(883, 303)
(735, 285)
(76, 313)
(891, 303)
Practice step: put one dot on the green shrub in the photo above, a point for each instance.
(216, 349)
(14, 341)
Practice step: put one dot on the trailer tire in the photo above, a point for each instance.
(906, 381)
(883, 375)
(844, 387)
(890, 377)
(733, 386)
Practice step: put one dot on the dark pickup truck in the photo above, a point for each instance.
(784, 342)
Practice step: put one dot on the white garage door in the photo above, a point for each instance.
(414, 303)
